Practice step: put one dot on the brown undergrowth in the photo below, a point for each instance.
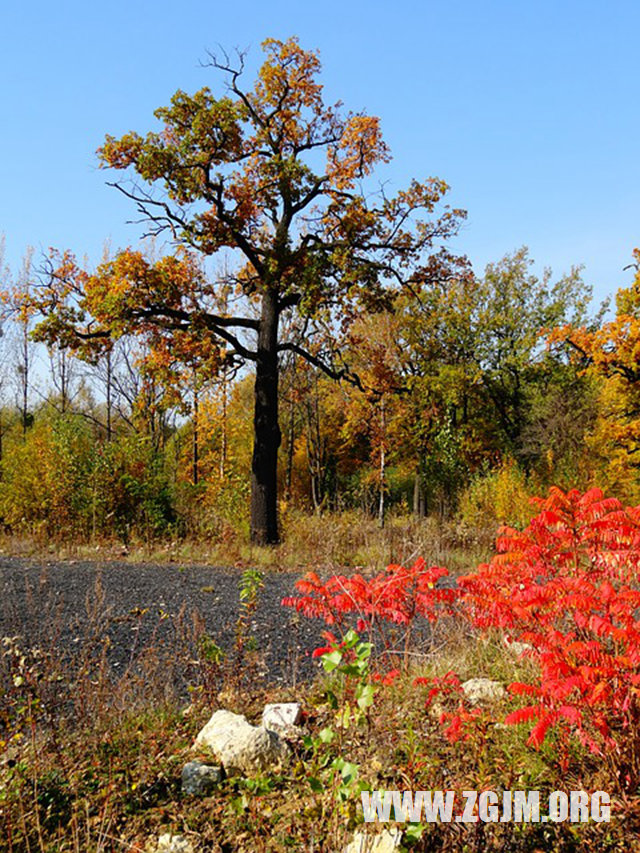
(327, 542)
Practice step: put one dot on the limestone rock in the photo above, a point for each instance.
(479, 690)
(516, 647)
(282, 717)
(240, 746)
(385, 842)
(200, 779)
(169, 843)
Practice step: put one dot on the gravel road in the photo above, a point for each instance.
(133, 616)
(72, 606)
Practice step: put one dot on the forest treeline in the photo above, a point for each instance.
(303, 339)
(468, 399)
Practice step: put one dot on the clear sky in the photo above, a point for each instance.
(529, 110)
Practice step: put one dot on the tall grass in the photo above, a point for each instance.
(326, 543)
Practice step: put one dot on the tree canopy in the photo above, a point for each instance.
(281, 184)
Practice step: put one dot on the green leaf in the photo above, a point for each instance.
(326, 735)
(332, 700)
(364, 695)
(364, 651)
(343, 717)
(331, 660)
(414, 831)
(349, 772)
(351, 639)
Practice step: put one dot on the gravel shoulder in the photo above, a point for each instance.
(68, 606)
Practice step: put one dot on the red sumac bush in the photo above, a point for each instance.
(399, 595)
(567, 585)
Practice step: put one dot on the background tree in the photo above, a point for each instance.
(609, 354)
(513, 309)
(481, 375)
(371, 418)
(274, 176)
(22, 311)
(5, 281)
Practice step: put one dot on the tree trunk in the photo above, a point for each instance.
(109, 395)
(223, 440)
(195, 455)
(419, 503)
(316, 455)
(383, 470)
(264, 468)
(291, 443)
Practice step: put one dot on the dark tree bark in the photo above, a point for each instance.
(264, 468)
(419, 500)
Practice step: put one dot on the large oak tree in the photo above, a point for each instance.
(281, 184)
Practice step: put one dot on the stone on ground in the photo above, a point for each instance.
(240, 746)
(282, 717)
(516, 647)
(387, 841)
(200, 779)
(479, 690)
(169, 843)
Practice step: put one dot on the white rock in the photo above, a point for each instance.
(240, 746)
(200, 779)
(281, 717)
(516, 647)
(169, 843)
(478, 690)
(385, 842)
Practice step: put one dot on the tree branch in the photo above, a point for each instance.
(333, 373)
(186, 318)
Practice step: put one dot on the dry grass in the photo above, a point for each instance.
(326, 543)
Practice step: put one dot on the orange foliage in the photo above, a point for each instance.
(612, 353)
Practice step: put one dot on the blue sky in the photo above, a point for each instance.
(529, 110)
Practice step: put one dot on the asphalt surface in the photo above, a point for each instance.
(83, 609)
(148, 622)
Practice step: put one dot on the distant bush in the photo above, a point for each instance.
(59, 481)
(497, 496)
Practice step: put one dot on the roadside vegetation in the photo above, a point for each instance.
(92, 759)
